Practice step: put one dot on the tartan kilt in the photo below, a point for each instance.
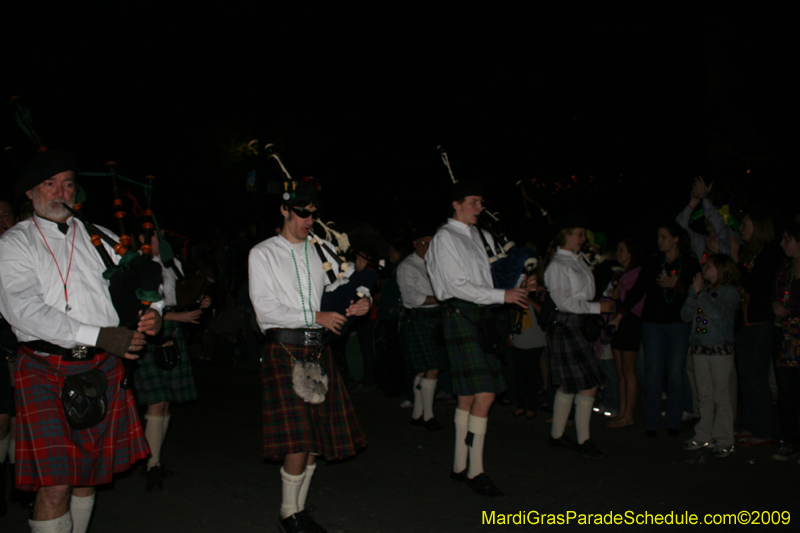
(420, 348)
(571, 360)
(291, 425)
(153, 385)
(472, 370)
(49, 451)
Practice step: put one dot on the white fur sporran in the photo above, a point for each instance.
(310, 381)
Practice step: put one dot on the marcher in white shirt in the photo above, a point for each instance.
(422, 319)
(459, 270)
(54, 296)
(287, 278)
(572, 363)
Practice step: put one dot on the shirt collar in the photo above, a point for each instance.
(459, 226)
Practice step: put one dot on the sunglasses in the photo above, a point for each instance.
(305, 213)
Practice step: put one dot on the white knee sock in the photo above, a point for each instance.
(460, 462)
(301, 496)
(561, 408)
(81, 511)
(428, 392)
(291, 491)
(477, 426)
(4, 445)
(62, 524)
(583, 412)
(154, 433)
(417, 412)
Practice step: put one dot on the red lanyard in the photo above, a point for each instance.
(67, 309)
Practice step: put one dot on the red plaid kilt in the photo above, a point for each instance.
(49, 451)
(291, 425)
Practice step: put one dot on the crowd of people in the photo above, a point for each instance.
(697, 331)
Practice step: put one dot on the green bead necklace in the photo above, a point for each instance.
(300, 286)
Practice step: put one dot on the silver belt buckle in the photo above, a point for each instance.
(80, 352)
(312, 337)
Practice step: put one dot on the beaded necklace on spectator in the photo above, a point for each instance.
(702, 321)
(669, 293)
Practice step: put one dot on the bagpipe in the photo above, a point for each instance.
(134, 280)
(346, 286)
(506, 260)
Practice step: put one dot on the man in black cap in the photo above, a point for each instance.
(53, 294)
(422, 318)
(306, 409)
(459, 269)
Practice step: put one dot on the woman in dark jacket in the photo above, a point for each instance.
(665, 279)
(759, 261)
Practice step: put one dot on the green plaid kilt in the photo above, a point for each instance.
(154, 385)
(291, 425)
(571, 361)
(421, 350)
(472, 370)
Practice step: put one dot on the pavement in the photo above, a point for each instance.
(400, 482)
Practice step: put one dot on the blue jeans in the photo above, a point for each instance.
(753, 355)
(665, 347)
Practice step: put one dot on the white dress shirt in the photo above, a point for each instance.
(32, 295)
(274, 288)
(415, 285)
(571, 283)
(459, 267)
(170, 281)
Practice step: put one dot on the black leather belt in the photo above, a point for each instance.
(78, 353)
(304, 337)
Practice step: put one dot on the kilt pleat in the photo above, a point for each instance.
(49, 452)
(572, 363)
(472, 370)
(153, 385)
(291, 425)
(420, 348)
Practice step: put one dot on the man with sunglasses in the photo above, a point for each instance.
(287, 279)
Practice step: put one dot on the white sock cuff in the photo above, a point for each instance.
(154, 417)
(428, 383)
(62, 524)
(81, 503)
(580, 398)
(461, 418)
(477, 425)
(309, 471)
(292, 479)
(417, 379)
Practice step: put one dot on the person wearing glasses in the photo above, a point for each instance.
(306, 409)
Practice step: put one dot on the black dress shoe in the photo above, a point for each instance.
(483, 485)
(461, 477)
(563, 442)
(590, 450)
(418, 422)
(153, 480)
(432, 425)
(300, 522)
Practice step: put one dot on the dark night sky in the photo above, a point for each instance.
(360, 98)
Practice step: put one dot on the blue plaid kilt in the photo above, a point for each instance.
(421, 349)
(291, 425)
(153, 385)
(472, 370)
(571, 360)
(49, 451)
